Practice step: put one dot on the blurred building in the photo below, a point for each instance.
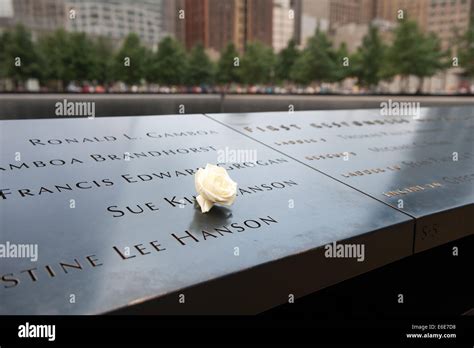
(337, 17)
(442, 17)
(240, 27)
(345, 21)
(115, 19)
(297, 6)
(6, 9)
(179, 21)
(389, 10)
(224, 24)
(351, 34)
(343, 12)
(212, 23)
(216, 23)
(314, 14)
(283, 24)
(448, 17)
(196, 16)
(259, 21)
(6, 14)
(169, 15)
(39, 16)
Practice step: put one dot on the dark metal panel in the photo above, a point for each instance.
(280, 223)
(421, 165)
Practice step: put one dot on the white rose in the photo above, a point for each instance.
(214, 185)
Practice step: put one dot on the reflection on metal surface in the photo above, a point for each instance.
(423, 166)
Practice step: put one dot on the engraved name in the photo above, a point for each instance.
(187, 238)
(412, 189)
(109, 138)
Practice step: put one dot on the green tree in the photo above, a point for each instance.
(369, 60)
(103, 61)
(68, 57)
(130, 61)
(257, 64)
(227, 71)
(432, 60)
(5, 41)
(19, 56)
(342, 63)
(56, 54)
(316, 63)
(82, 56)
(169, 65)
(414, 53)
(466, 50)
(285, 61)
(200, 68)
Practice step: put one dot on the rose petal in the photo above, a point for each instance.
(204, 204)
(214, 185)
